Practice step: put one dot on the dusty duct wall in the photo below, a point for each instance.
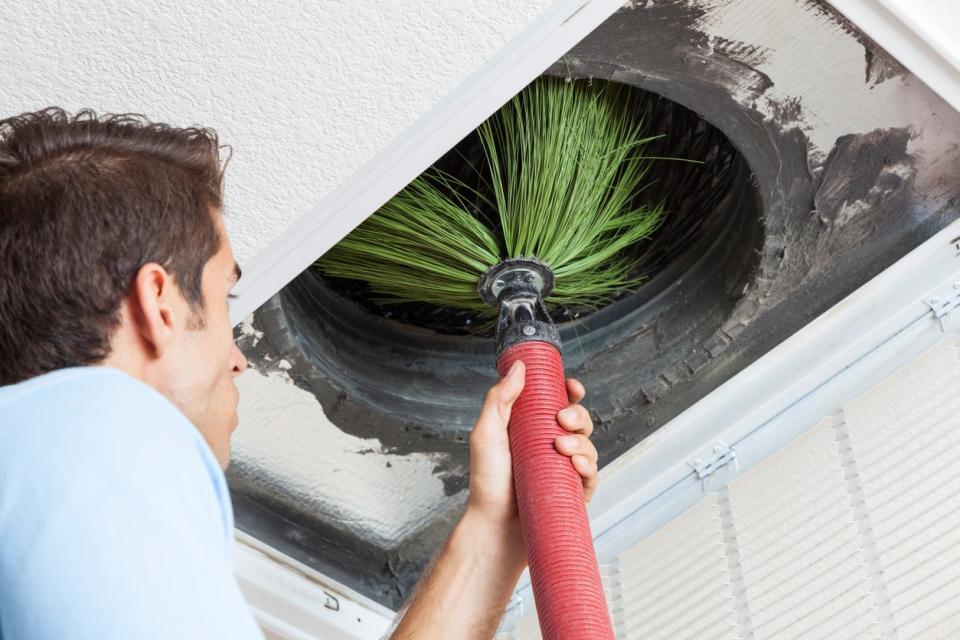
(854, 162)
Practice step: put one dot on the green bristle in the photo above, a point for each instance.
(566, 164)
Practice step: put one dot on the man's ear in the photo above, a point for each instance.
(155, 303)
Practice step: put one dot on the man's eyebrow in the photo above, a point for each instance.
(237, 272)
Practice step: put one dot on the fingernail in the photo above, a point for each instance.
(567, 441)
(569, 414)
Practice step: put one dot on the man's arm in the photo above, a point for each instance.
(465, 592)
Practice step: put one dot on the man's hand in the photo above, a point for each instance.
(492, 500)
(464, 594)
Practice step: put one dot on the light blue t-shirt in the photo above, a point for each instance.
(115, 521)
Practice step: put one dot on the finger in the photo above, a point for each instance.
(577, 419)
(495, 413)
(589, 474)
(575, 390)
(578, 445)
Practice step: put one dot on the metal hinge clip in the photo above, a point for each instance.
(721, 456)
(942, 302)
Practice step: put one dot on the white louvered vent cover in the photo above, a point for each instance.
(850, 531)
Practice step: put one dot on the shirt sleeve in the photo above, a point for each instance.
(112, 524)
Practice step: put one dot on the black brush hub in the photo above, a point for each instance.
(517, 287)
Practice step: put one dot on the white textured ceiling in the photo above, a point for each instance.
(305, 92)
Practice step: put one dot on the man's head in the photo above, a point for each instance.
(113, 251)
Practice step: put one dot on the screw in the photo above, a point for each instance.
(934, 300)
(956, 285)
(717, 449)
(529, 330)
(528, 278)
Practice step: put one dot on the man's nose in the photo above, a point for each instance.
(238, 362)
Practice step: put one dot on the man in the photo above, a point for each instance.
(117, 401)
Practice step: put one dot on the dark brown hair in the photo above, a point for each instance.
(85, 201)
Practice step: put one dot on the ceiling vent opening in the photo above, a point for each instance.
(413, 372)
(771, 230)
(702, 179)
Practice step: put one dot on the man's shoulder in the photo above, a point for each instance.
(60, 389)
(93, 434)
(88, 402)
(114, 515)
(90, 419)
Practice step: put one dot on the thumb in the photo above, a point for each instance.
(498, 402)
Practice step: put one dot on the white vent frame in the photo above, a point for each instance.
(880, 327)
(290, 600)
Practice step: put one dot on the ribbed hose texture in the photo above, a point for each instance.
(553, 516)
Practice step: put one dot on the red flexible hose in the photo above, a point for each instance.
(553, 517)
